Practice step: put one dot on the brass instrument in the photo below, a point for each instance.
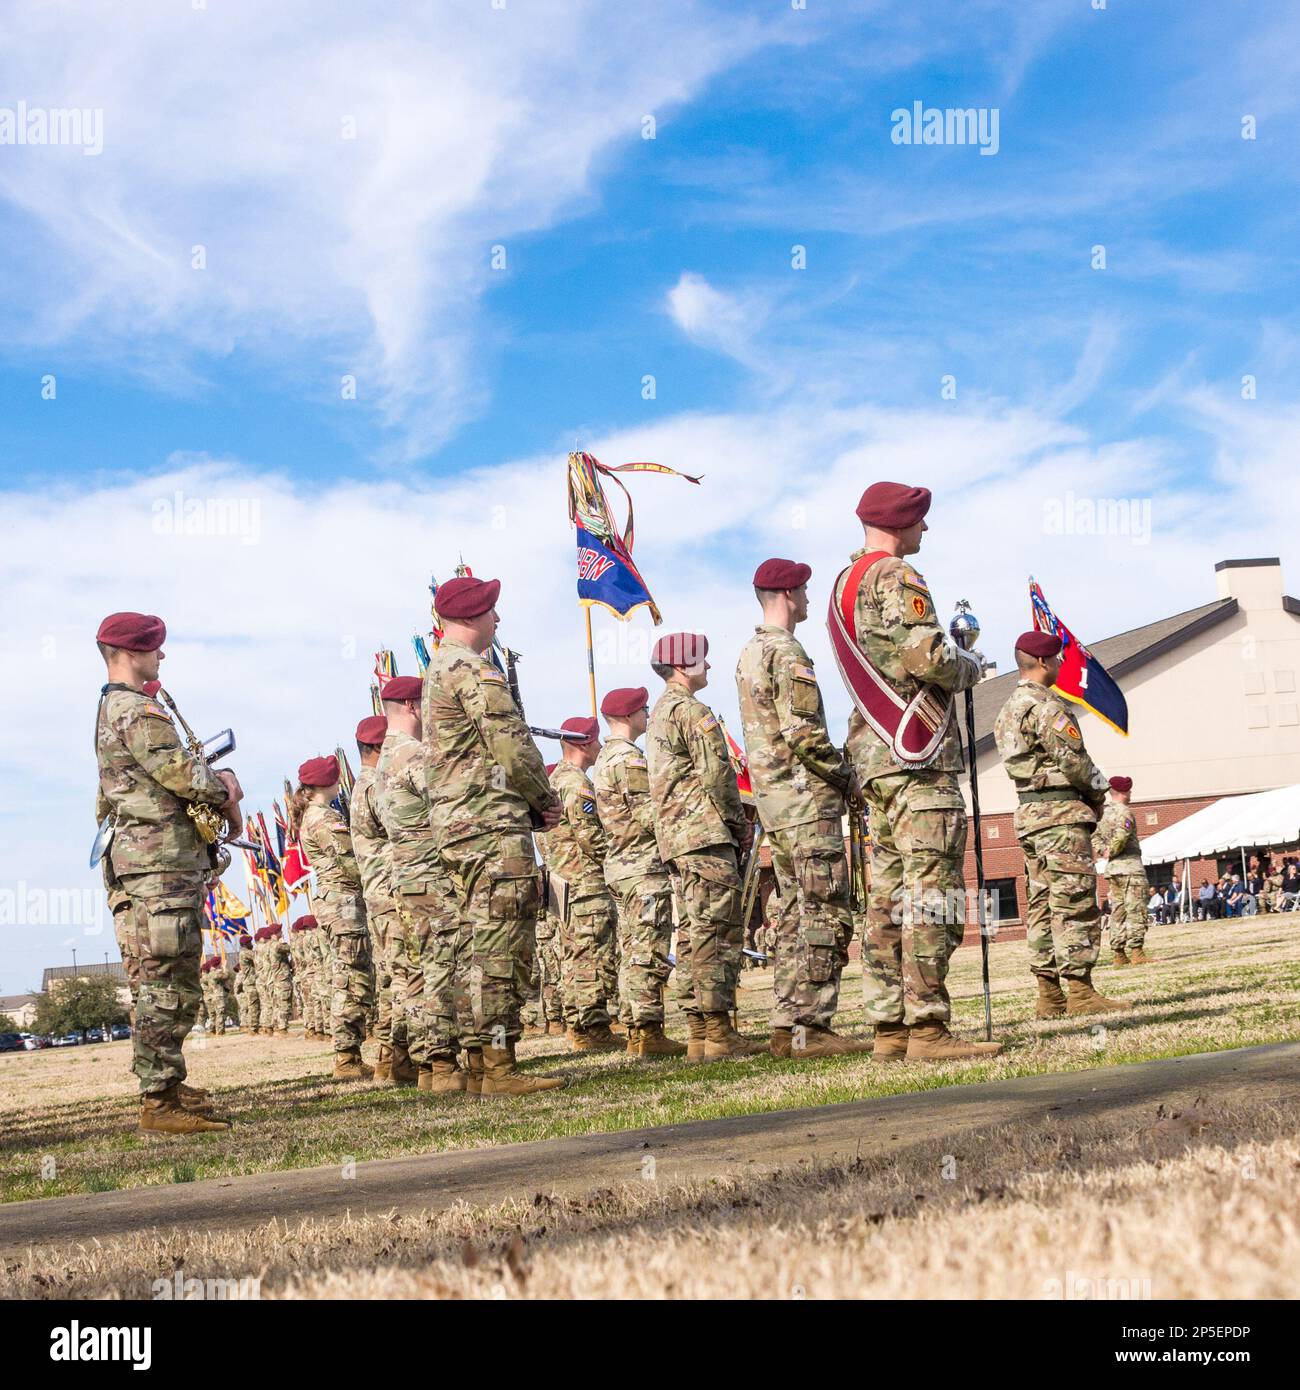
(208, 822)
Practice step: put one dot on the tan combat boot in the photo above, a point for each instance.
(403, 1071)
(555, 1028)
(696, 1035)
(348, 1066)
(811, 1041)
(597, 1038)
(932, 1042)
(1121, 956)
(652, 1041)
(1051, 998)
(500, 1078)
(780, 1044)
(722, 1040)
(1083, 999)
(633, 1040)
(473, 1072)
(617, 1028)
(1139, 957)
(384, 1064)
(163, 1113)
(281, 1032)
(442, 1075)
(890, 1043)
(194, 1098)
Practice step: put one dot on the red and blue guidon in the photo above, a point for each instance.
(608, 577)
(1082, 678)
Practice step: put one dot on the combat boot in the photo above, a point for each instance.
(598, 1038)
(162, 1112)
(652, 1041)
(932, 1042)
(403, 1071)
(384, 1064)
(500, 1077)
(811, 1041)
(890, 1043)
(555, 1027)
(1083, 999)
(780, 1043)
(281, 1032)
(473, 1072)
(441, 1075)
(193, 1098)
(1121, 956)
(1139, 957)
(617, 1028)
(696, 1035)
(1051, 998)
(348, 1066)
(721, 1039)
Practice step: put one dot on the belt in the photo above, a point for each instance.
(1050, 794)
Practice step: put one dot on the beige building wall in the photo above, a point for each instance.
(1217, 715)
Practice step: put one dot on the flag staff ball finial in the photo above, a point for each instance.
(965, 626)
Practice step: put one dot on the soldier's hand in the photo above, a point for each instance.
(235, 791)
(747, 837)
(550, 818)
(854, 796)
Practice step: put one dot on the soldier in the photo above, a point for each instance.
(901, 669)
(246, 987)
(387, 938)
(1119, 857)
(553, 1010)
(701, 830)
(148, 784)
(223, 988)
(279, 971)
(201, 1012)
(801, 782)
(216, 1022)
(487, 787)
(636, 876)
(307, 972)
(575, 861)
(262, 975)
(1061, 792)
(436, 945)
(325, 837)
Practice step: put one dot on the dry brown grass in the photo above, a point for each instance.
(1194, 1202)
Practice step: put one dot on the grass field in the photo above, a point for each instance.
(69, 1115)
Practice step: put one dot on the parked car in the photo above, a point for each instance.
(68, 1040)
(11, 1042)
(92, 1035)
(33, 1042)
(120, 1031)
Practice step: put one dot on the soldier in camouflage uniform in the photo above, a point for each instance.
(701, 830)
(246, 987)
(1119, 856)
(1061, 792)
(487, 788)
(212, 1010)
(279, 971)
(387, 937)
(636, 876)
(437, 944)
(916, 907)
(340, 909)
(801, 782)
(223, 984)
(262, 975)
(551, 1012)
(575, 859)
(148, 781)
(314, 1020)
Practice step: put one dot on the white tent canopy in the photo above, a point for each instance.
(1262, 820)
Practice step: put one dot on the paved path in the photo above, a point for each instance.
(707, 1148)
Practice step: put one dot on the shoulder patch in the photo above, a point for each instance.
(803, 673)
(1065, 725)
(339, 828)
(912, 580)
(588, 806)
(637, 762)
(490, 673)
(920, 606)
(710, 721)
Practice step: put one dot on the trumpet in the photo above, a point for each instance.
(208, 821)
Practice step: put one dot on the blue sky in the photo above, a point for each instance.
(791, 389)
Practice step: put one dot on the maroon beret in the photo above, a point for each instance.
(1122, 784)
(550, 767)
(781, 574)
(306, 922)
(402, 688)
(245, 939)
(680, 649)
(1039, 644)
(133, 632)
(580, 724)
(466, 598)
(151, 688)
(893, 505)
(371, 731)
(620, 704)
(319, 772)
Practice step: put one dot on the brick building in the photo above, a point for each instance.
(1212, 712)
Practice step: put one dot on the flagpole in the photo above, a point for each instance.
(591, 662)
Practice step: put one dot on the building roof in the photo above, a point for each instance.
(1124, 652)
(114, 969)
(10, 1002)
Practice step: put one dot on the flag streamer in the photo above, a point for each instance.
(1082, 678)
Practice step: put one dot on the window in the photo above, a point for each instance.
(1002, 900)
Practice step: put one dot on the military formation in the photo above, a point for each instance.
(469, 891)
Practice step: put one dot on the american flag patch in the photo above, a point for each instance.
(707, 723)
(492, 674)
(804, 673)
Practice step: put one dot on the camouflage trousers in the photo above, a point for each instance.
(812, 921)
(249, 1006)
(587, 941)
(325, 978)
(546, 996)
(495, 877)
(645, 929)
(709, 929)
(1062, 922)
(281, 991)
(352, 977)
(124, 930)
(381, 1018)
(1129, 894)
(394, 969)
(435, 969)
(166, 920)
(214, 1004)
(916, 908)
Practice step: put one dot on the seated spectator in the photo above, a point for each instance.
(1204, 901)
(1235, 897)
(1173, 904)
(1156, 906)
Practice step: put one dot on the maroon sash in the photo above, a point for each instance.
(914, 729)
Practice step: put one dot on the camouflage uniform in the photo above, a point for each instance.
(224, 988)
(435, 943)
(1060, 790)
(800, 780)
(637, 878)
(250, 1009)
(341, 911)
(265, 985)
(1116, 841)
(279, 974)
(485, 777)
(915, 910)
(699, 825)
(575, 857)
(119, 905)
(320, 938)
(387, 942)
(147, 779)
